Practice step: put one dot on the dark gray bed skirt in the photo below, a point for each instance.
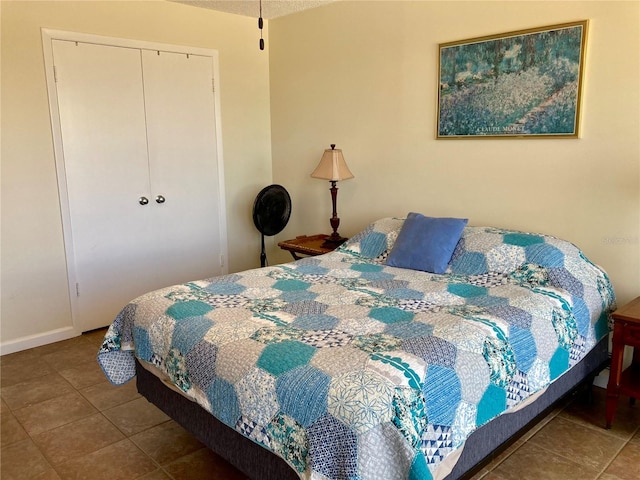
(492, 438)
(258, 463)
(247, 456)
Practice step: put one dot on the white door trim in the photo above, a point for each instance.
(48, 36)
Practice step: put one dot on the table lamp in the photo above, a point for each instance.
(332, 167)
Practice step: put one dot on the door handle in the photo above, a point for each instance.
(143, 200)
(160, 199)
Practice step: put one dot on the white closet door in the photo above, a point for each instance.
(100, 101)
(181, 136)
(136, 124)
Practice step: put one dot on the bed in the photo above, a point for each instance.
(362, 364)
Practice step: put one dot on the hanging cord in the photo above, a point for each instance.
(260, 25)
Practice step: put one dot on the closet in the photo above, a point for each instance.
(136, 131)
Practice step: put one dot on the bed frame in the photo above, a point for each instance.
(258, 463)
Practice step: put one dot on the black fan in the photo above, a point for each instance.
(271, 212)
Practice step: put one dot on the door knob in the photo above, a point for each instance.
(160, 199)
(143, 200)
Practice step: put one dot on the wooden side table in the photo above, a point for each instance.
(626, 331)
(308, 245)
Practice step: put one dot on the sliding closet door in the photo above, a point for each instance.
(181, 135)
(101, 109)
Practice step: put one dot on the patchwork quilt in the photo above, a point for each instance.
(351, 369)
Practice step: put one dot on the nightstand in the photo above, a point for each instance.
(308, 245)
(626, 331)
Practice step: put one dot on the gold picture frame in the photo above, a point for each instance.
(521, 84)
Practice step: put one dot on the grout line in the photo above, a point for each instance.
(592, 427)
(570, 460)
(606, 464)
(604, 469)
(38, 355)
(599, 428)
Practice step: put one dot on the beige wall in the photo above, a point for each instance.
(358, 74)
(35, 298)
(363, 75)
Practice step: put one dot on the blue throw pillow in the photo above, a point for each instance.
(426, 243)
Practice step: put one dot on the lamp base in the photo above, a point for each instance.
(335, 240)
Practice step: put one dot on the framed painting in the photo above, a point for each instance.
(519, 84)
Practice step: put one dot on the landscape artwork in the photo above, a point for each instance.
(519, 84)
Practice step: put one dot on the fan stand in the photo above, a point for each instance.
(263, 255)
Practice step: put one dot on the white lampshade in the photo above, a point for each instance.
(332, 166)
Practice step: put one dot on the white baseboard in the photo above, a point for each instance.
(37, 340)
(602, 379)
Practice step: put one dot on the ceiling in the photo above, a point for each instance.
(251, 8)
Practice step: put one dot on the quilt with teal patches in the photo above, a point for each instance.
(351, 369)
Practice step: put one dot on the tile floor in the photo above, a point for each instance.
(61, 419)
